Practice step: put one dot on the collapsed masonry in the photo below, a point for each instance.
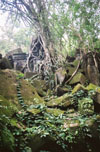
(36, 61)
(17, 59)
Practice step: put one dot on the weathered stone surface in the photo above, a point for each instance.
(64, 100)
(76, 123)
(28, 75)
(78, 78)
(94, 87)
(30, 94)
(60, 75)
(78, 87)
(98, 98)
(5, 64)
(71, 70)
(40, 86)
(10, 53)
(85, 106)
(55, 111)
(33, 111)
(61, 90)
(75, 63)
(8, 85)
(6, 107)
(8, 89)
(72, 121)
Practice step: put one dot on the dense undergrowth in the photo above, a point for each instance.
(46, 132)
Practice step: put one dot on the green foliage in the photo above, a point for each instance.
(20, 98)
(20, 75)
(46, 124)
(76, 26)
(69, 25)
(78, 96)
(11, 38)
(7, 140)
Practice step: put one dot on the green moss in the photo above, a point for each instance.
(5, 64)
(55, 112)
(85, 106)
(77, 88)
(30, 94)
(8, 89)
(14, 122)
(20, 75)
(66, 98)
(93, 87)
(63, 72)
(34, 111)
(71, 70)
(78, 78)
(7, 140)
(6, 107)
(41, 92)
(75, 63)
(39, 84)
(7, 86)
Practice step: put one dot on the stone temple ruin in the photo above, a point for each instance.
(32, 62)
(17, 59)
(20, 61)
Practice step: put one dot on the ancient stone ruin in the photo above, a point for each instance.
(36, 55)
(17, 59)
(32, 62)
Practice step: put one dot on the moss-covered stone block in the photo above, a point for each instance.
(96, 91)
(77, 88)
(60, 101)
(71, 70)
(93, 87)
(75, 62)
(40, 86)
(61, 90)
(5, 64)
(86, 106)
(55, 111)
(9, 89)
(78, 78)
(30, 94)
(8, 85)
(6, 107)
(34, 111)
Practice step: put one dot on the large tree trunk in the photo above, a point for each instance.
(44, 29)
(91, 62)
(37, 13)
